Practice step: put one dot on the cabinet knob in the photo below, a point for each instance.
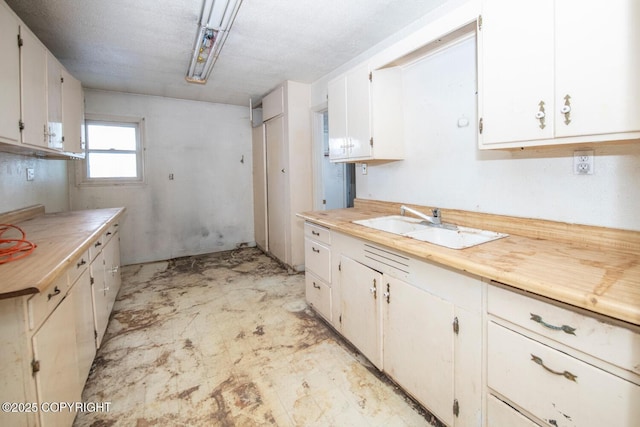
(282, 170)
(566, 109)
(541, 114)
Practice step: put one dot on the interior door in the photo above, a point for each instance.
(276, 188)
(259, 187)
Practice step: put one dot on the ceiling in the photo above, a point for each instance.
(144, 46)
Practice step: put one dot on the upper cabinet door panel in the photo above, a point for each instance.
(273, 104)
(9, 78)
(33, 80)
(72, 113)
(516, 70)
(337, 105)
(358, 112)
(598, 66)
(54, 102)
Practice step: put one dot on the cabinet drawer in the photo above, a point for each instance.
(42, 304)
(96, 247)
(317, 258)
(614, 344)
(318, 233)
(318, 295)
(555, 387)
(78, 267)
(499, 414)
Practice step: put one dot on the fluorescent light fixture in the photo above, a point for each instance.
(216, 19)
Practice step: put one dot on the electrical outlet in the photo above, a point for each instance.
(364, 169)
(583, 162)
(31, 174)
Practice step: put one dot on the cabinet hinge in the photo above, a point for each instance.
(324, 201)
(456, 326)
(340, 267)
(35, 366)
(370, 76)
(371, 141)
(374, 290)
(479, 22)
(20, 125)
(388, 293)
(61, 79)
(95, 334)
(480, 125)
(340, 318)
(456, 407)
(92, 280)
(20, 42)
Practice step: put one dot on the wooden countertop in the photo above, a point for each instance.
(594, 268)
(61, 239)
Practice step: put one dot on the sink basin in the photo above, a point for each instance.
(395, 224)
(459, 238)
(450, 236)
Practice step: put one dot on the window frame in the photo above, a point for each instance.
(82, 173)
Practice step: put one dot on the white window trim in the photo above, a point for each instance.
(81, 166)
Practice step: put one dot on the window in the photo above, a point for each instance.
(113, 150)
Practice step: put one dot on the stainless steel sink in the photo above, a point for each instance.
(448, 235)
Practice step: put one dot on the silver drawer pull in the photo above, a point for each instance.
(315, 250)
(568, 375)
(564, 328)
(315, 233)
(316, 286)
(56, 291)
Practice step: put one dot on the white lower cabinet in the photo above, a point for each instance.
(559, 366)
(418, 322)
(418, 341)
(55, 364)
(106, 282)
(85, 325)
(360, 309)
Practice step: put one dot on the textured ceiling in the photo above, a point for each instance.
(144, 46)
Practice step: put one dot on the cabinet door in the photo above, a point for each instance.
(361, 289)
(100, 301)
(33, 83)
(54, 102)
(85, 328)
(54, 348)
(358, 113)
(72, 113)
(259, 187)
(516, 73)
(276, 188)
(9, 77)
(111, 254)
(418, 344)
(337, 112)
(598, 68)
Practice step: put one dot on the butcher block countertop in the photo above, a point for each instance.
(61, 239)
(594, 268)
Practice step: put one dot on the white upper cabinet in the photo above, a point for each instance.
(9, 77)
(33, 82)
(54, 102)
(365, 115)
(72, 114)
(557, 72)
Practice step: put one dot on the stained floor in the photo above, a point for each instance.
(227, 340)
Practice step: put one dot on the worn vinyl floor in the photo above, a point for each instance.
(227, 340)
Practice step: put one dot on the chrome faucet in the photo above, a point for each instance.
(435, 219)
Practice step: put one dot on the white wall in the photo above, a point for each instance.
(49, 187)
(443, 166)
(208, 206)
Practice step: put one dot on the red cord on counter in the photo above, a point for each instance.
(14, 249)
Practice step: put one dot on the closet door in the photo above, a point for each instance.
(277, 206)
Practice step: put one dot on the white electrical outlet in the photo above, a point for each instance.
(31, 174)
(583, 162)
(364, 169)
